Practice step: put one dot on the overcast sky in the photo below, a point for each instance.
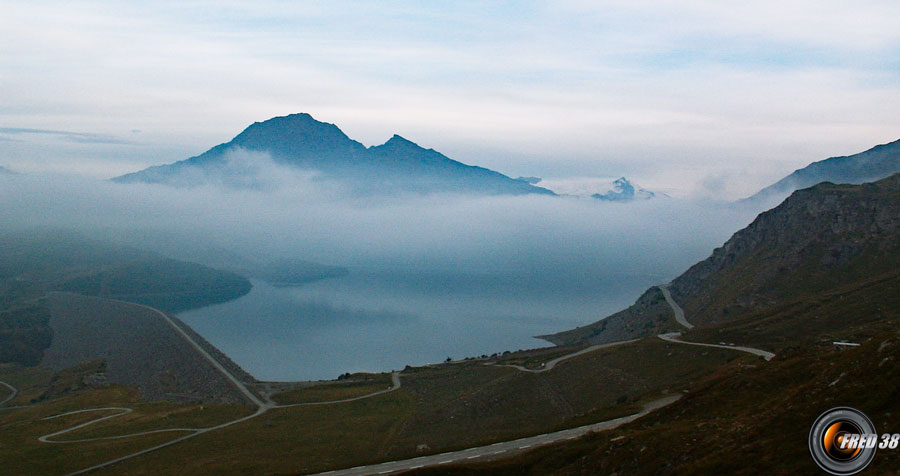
(690, 97)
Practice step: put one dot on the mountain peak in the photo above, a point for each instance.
(399, 141)
(623, 190)
(292, 124)
(299, 140)
(874, 164)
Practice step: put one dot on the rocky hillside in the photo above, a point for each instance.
(874, 164)
(821, 239)
(729, 422)
(649, 315)
(818, 239)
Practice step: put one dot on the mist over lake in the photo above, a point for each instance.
(378, 320)
(430, 276)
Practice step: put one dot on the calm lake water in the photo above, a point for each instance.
(382, 320)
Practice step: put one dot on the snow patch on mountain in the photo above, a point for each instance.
(601, 188)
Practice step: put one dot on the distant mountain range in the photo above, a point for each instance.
(873, 164)
(399, 165)
(300, 141)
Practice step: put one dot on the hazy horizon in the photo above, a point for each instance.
(490, 271)
(695, 99)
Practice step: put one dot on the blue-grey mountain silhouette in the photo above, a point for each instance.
(300, 141)
(874, 164)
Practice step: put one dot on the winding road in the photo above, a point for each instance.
(679, 312)
(485, 452)
(395, 384)
(495, 450)
(548, 366)
(395, 377)
(11, 395)
(675, 337)
(261, 407)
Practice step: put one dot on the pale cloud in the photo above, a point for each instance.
(668, 93)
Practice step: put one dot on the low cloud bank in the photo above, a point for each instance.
(272, 211)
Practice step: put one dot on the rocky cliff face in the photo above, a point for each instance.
(818, 238)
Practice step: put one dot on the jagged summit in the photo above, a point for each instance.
(398, 142)
(624, 191)
(397, 139)
(301, 141)
(600, 188)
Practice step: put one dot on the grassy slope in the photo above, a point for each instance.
(446, 407)
(852, 312)
(21, 452)
(742, 420)
(332, 391)
(754, 419)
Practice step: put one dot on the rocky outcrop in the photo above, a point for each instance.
(817, 239)
(650, 315)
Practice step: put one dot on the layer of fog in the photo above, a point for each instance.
(430, 275)
(291, 214)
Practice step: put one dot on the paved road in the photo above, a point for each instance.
(679, 316)
(508, 448)
(552, 363)
(237, 383)
(679, 312)
(395, 384)
(498, 450)
(675, 337)
(11, 395)
(262, 407)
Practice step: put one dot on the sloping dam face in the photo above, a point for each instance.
(140, 348)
